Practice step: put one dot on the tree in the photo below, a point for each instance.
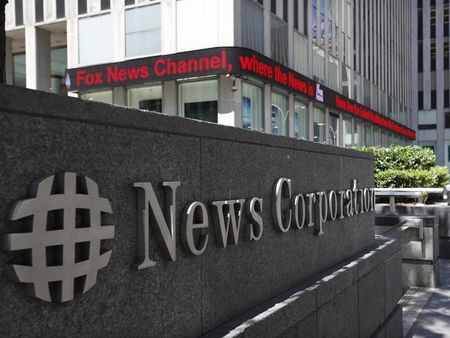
(2, 40)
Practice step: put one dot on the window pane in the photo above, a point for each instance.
(102, 96)
(60, 9)
(252, 107)
(333, 130)
(300, 54)
(357, 133)
(279, 40)
(367, 135)
(301, 120)
(129, 2)
(58, 57)
(252, 26)
(82, 6)
(147, 98)
(280, 113)
(19, 12)
(20, 78)
(143, 30)
(198, 100)
(98, 47)
(319, 125)
(318, 64)
(197, 24)
(347, 132)
(333, 72)
(105, 4)
(39, 10)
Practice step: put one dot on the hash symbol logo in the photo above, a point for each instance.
(63, 247)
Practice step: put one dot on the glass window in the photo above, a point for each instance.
(318, 63)
(367, 135)
(376, 136)
(197, 24)
(383, 138)
(98, 47)
(252, 107)
(39, 10)
(333, 130)
(198, 100)
(367, 93)
(301, 54)
(143, 30)
(101, 96)
(347, 125)
(252, 26)
(280, 114)
(357, 133)
(129, 2)
(105, 4)
(279, 40)
(347, 81)
(319, 125)
(82, 6)
(333, 72)
(60, 9)
(18, 6)
(58, 57)
(147, 98)
(19, 70)
(426, 119)
(301, 120)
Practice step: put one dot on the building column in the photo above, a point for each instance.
(169, 98)
(341, 130)
(267, 23)
(169, 27)
(37, 46)
(229, 107)
(327, 125)
(9, 62)
(267, 109)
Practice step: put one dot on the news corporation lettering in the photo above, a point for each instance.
(291, 211)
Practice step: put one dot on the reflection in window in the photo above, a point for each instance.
(319, 125)
(318, 64)
(19, 70)
(279, 40)
(252, 107)
(198, 100)
(143, 30)
(333, 130)
(347, 125)
(101, 96)
(147, 98)
(357, 133)
(301, 120)
(280, 113)
(252, 26)
(98, 47)
(367, 135)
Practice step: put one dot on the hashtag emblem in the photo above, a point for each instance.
(66, 251)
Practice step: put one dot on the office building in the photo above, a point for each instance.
(341, 68)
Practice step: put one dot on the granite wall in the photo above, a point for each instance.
(42, 134)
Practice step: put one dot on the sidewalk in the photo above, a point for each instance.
(426, 312)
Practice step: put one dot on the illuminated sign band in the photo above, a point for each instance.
(217, 61)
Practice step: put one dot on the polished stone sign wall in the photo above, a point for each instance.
(208, 222)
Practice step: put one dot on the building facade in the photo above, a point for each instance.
(430, 50)
(349, 61)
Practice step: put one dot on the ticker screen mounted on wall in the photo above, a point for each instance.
(218, 61)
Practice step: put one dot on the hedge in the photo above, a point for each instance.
(407, 167)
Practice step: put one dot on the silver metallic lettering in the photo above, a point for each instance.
(195, 217)
(280, 206)
(253, 209)
(222, 218)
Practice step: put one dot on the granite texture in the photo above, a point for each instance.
(116, 146)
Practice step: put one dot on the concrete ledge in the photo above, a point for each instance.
(358, 298)
(47, 105)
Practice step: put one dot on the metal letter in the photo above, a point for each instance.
(355, 197)
(311, 199)
(367, 198)
(332, 205)
(165, 235)
(252, 210)
(299, 201)
(341, 203)
(282, 193)
(195, 217)
(349, 204)
(223, 221)
(321, 212)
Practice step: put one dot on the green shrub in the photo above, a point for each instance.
(407, 167)
(401, 158)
